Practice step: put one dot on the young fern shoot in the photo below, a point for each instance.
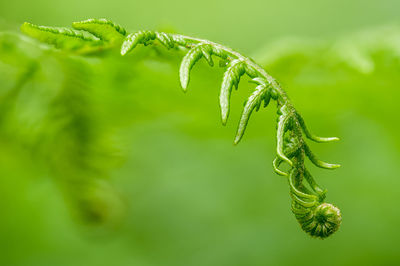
(317, 218)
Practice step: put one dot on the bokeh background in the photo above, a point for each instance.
(104, 161)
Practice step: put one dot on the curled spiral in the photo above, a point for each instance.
(315, 217)
(320, 221)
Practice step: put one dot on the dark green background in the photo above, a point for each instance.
(189, 196)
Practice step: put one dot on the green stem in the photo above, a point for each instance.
(284, 99)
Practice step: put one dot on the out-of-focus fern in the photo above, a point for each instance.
(87, 37)
(26, 66)
(7, 101)
(317, 218)
(66, 136)
(356, 51)
(78, 159)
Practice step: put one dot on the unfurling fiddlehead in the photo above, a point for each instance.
(317, 218)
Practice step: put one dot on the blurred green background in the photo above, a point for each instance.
(104, 161)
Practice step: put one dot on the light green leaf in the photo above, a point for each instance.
(104, 29)
(231, 78)
(318, 162)
(133, 39)
(63, 38)
(188, 61)
(253, 102)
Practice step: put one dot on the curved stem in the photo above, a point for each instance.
(249, 62)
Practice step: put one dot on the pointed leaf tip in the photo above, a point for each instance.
(123, 51)
(224, 114)
(238, 138)
(184, 82)
(184, 78)
(318, 162)
(334, 166)
(253, 102)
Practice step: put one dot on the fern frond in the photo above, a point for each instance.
(283, 123)
(103, 29)
(188, 61)
(318, 162)
(76, 159)
(276, 163)
(140, 37)
(207, 51)
(231, 78)
(311, 136)
(63, 38)
(317, 218)
(255, 100)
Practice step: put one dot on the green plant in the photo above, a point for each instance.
(95, 36)
(66, 135)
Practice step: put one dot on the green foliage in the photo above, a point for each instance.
(260, 94)
(78, 159)
(357, 51)
(63, 38)
(102, 29)
(61, 130)
(317, 218)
